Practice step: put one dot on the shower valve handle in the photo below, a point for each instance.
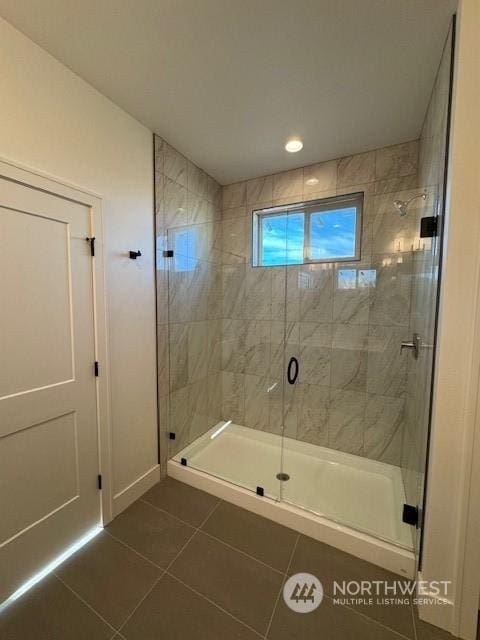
(414, 345)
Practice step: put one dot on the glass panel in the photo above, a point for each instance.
(332, 234)
(425, 286)
(226, 349)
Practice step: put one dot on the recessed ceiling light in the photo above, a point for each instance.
(294, 145)
(312, 181)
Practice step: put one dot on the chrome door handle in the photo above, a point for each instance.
(414, 345)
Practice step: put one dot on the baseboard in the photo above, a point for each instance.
(137, 488)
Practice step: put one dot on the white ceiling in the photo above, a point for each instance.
(228, 81)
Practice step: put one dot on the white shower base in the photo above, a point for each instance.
(345, 500)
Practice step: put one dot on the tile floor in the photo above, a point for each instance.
(180, 564)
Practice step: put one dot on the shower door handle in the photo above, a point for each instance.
(292, 377)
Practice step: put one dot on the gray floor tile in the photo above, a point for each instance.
(327, 622)
(174, 612)
(239, 584)
(110, 577)
(269, 542)
(181, 500)
(113, 579)
(156, 535)
(50, 611)
(330, 564)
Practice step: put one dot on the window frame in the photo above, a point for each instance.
(307, 208)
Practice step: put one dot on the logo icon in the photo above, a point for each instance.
(303, 592)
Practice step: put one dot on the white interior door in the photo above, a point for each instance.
(48, 416)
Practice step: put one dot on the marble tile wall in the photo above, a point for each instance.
(344, 321)
(189, 310)
(432, 150)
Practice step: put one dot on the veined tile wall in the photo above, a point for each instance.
(188, 211)
(344, 322)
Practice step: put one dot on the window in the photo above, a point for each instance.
(325, 230)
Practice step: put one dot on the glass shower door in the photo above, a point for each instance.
(336, 458)
(308, 336)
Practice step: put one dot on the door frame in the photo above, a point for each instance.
(52, 185)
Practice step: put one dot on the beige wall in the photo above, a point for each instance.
(54, 122)
(345, 321)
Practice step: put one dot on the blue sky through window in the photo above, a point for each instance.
(184, 240)
(332, 236)
(282, 239)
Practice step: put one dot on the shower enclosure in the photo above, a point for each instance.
(296, 326)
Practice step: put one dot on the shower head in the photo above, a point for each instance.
(402, 205)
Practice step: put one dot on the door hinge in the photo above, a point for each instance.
(183, 462)
(260, 491)
(99, 480)
(95, 368)
(92, 245)
(168, 253)
(410, 515)
(171, 435)
(428, 227)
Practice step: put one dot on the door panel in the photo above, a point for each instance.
(52, 477)
(48, 414)
(39, 304)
